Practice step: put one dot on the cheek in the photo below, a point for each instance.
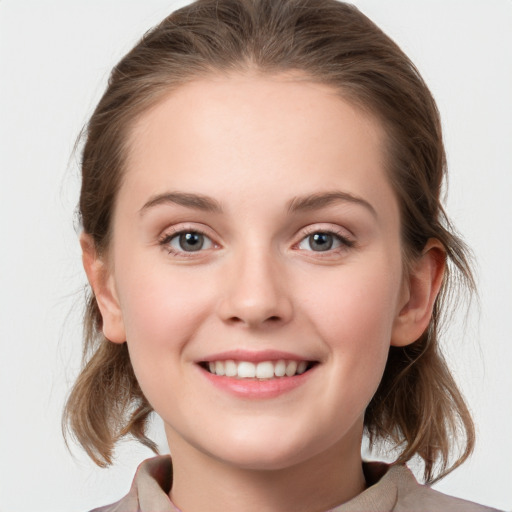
(354, 317)
(354, 311)
(163, 313)
(161, 310)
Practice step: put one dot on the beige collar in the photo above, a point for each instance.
(153, 480)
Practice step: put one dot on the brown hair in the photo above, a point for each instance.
(417, 406)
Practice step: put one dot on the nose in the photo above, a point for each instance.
(255, 292)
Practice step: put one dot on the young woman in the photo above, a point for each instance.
(270, 263)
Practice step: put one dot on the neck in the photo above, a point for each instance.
(201, 482)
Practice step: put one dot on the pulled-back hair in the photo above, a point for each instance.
(417, 405)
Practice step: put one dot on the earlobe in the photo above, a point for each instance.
(102, 284)
(423, 285)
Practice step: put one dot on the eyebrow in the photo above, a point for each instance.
(297, 204)
(194, 201)
(324, 199)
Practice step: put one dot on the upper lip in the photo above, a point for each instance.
(254, 356)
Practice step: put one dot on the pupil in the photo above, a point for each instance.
(321, 241)
(191, 241)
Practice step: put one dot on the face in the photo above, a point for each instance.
(256, 268)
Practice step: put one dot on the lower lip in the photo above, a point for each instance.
(255, 388)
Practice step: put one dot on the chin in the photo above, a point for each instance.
(261, 460)
(265, 453)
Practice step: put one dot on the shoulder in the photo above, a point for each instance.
(149, 489)
(394, 489)
(129, 503)
(420, 498)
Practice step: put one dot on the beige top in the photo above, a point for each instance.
(391, 488)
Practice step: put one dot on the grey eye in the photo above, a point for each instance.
(320, 241)
(190, 241)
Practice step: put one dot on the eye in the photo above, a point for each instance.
(322, 241)
(187, 241)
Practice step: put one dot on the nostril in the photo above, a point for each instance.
(235, 320)
(271, 319)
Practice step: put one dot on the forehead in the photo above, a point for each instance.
(255, 105)
(257, 133)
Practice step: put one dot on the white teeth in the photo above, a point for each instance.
(230, 368)
(301, 368)
(219, 368)
(261, 370)
(280, 368)
(265, 370)
(291, 368)
(246, 370)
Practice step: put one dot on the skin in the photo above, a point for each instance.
(254, 144)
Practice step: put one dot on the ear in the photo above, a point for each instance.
(102, 284)
(420, 291)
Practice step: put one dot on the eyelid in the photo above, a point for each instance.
(345, 237)
(172, 232)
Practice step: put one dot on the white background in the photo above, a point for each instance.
(55, 56)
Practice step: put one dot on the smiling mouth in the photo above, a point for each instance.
(263, 370)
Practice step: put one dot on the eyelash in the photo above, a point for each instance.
(164, 241)
(167, 237)
(346, 243)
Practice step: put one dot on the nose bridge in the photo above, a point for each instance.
(255, 290)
